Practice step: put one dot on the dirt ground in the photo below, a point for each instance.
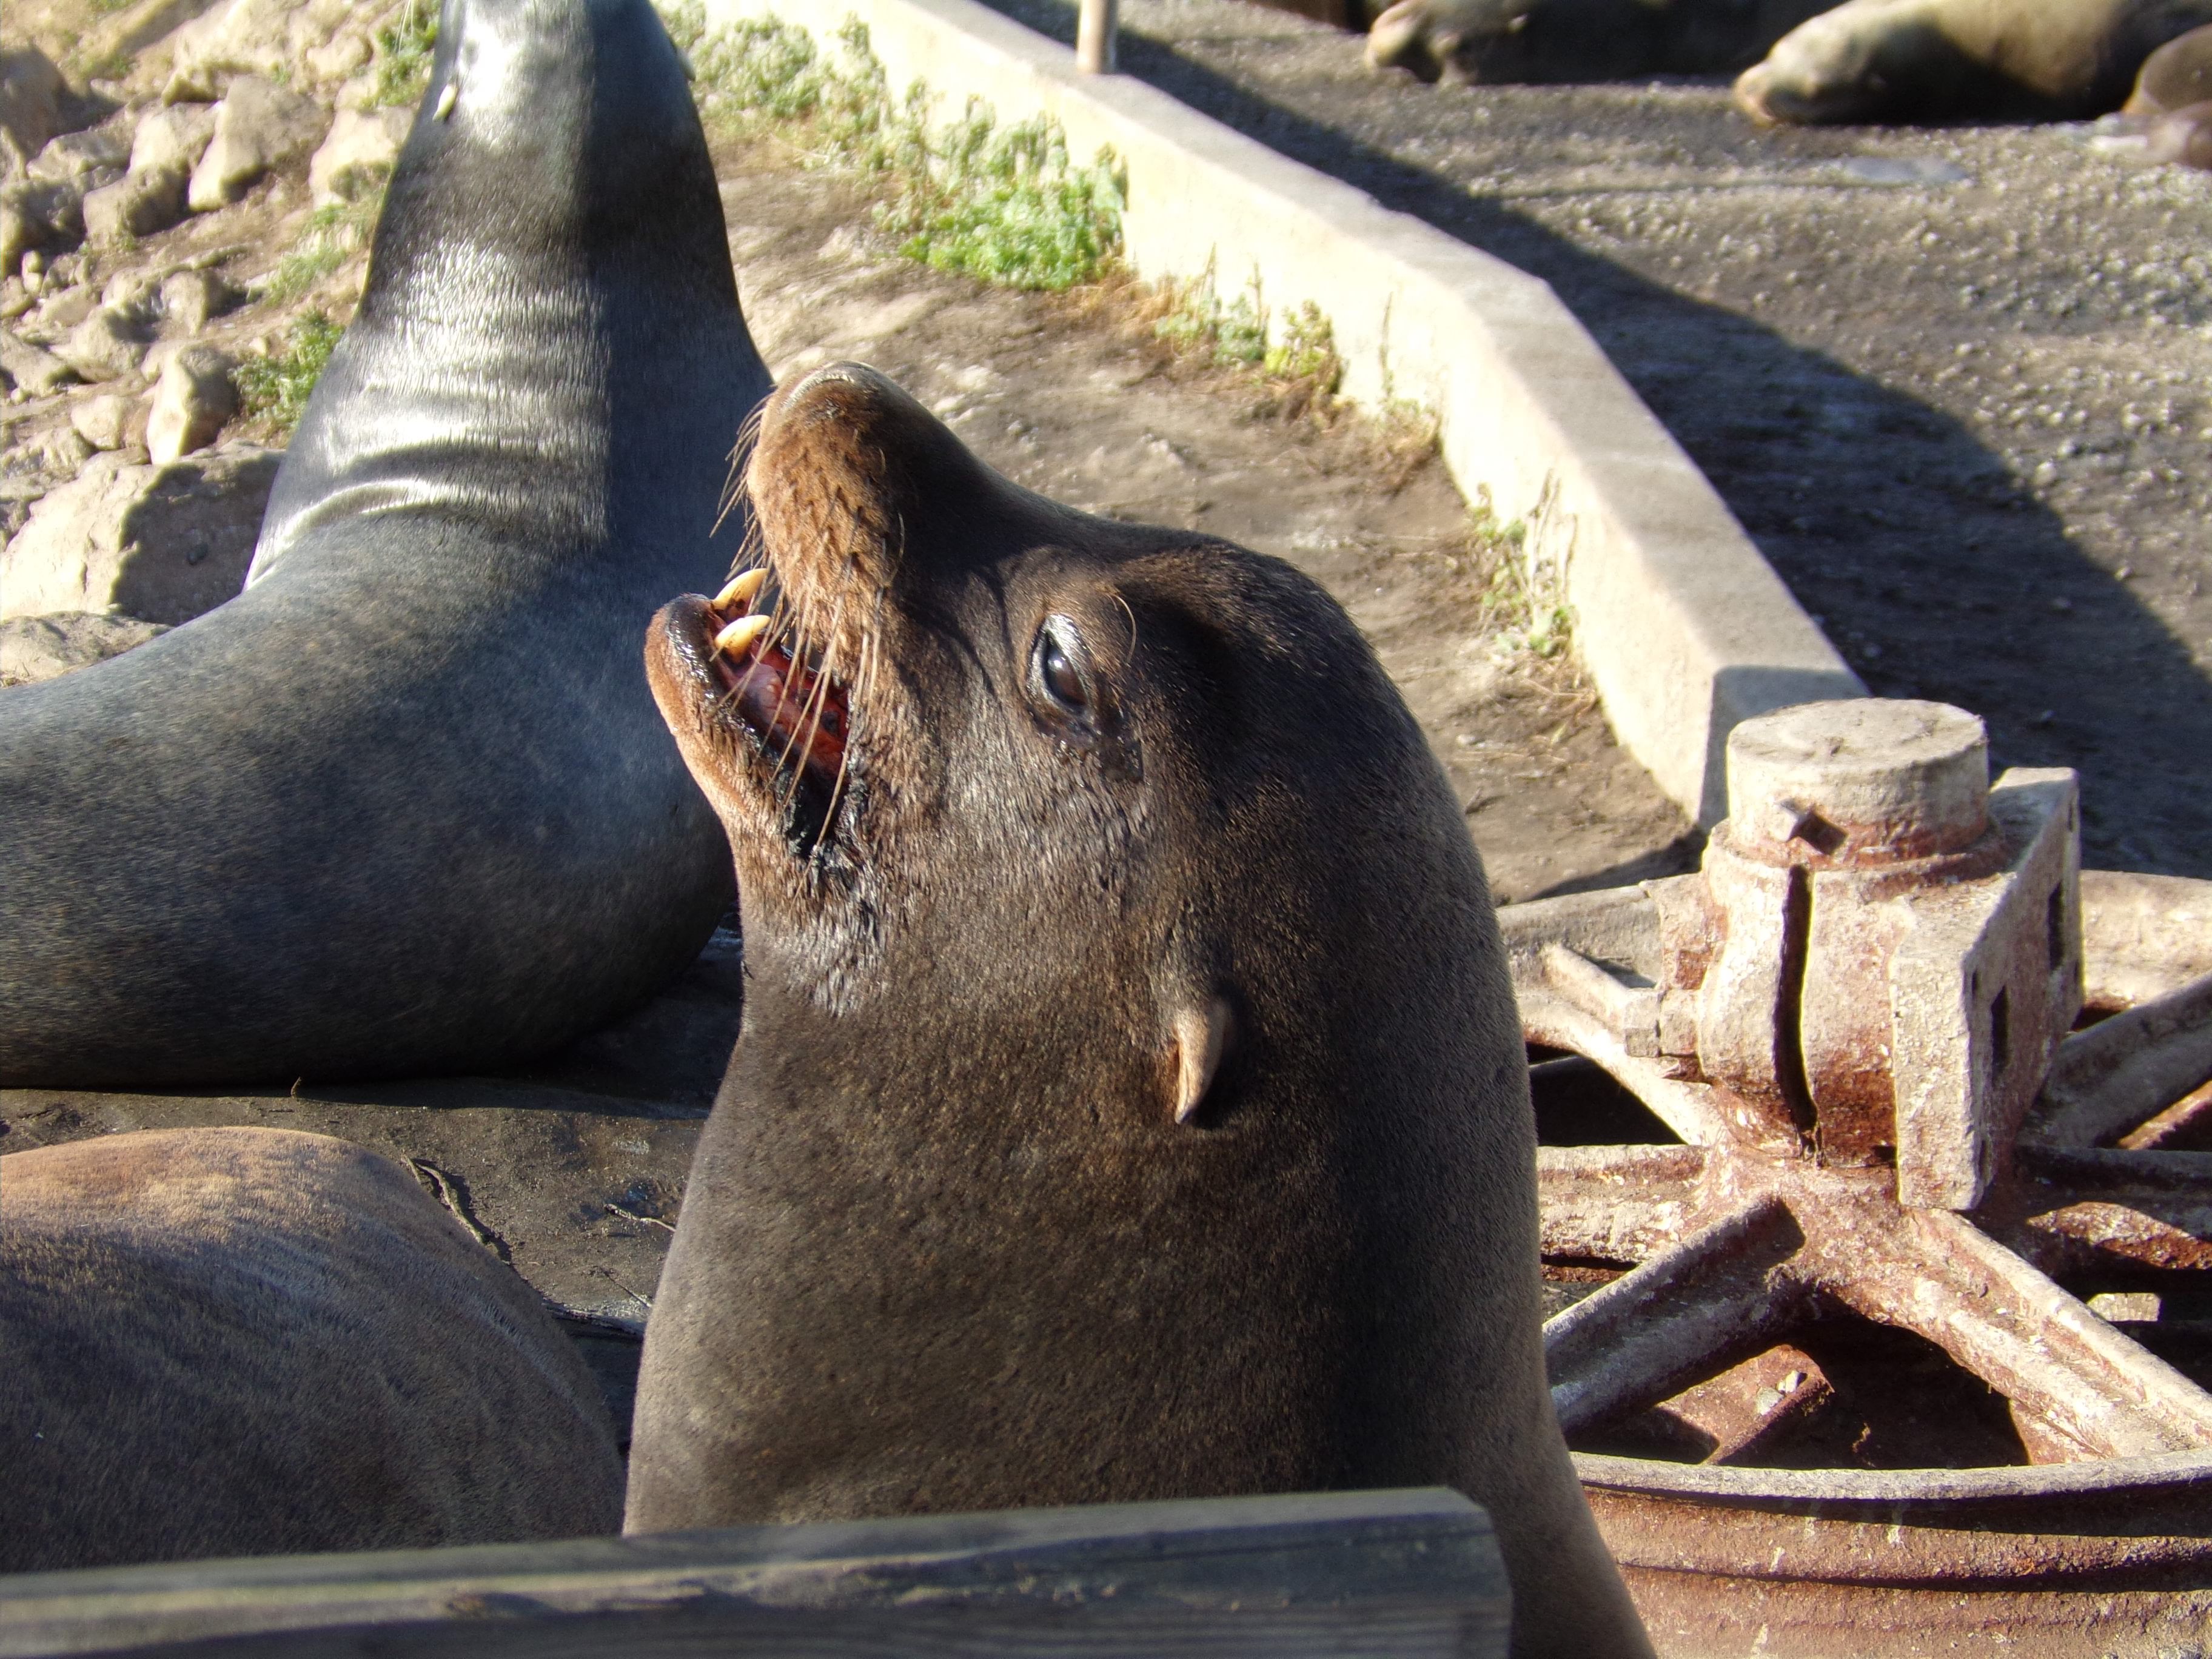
(1957, 383)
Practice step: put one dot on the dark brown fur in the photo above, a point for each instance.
(944, 1246)
(251, 1341)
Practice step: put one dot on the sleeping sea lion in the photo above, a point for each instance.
(1944, 60)
(1550, 40)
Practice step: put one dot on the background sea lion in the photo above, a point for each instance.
(1938, 60)
(404, 804)
(2178, 75)
(252, 1341)
(1130, 1101)
(1547, 40)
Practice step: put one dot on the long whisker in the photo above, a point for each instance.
(845, 756)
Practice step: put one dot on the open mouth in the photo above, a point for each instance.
(798, 717)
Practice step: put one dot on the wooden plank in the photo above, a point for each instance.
(1412, 1572)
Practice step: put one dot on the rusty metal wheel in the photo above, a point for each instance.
(1844, 1162)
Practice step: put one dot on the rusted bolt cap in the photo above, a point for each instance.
(1865, 781)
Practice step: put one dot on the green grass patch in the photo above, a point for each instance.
(276, 387)
(1295, 355)
(403, 55)
(333, 234)
(1524, 604)
(1005, 204)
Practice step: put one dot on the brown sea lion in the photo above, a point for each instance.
(2178, 75)
(1940, 60)
(1552, 40)
(252, 1341)
(1130, 1102)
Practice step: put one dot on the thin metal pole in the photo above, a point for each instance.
(1095, 33)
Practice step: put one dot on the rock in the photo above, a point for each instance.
(163, 543)
(104, 345)
(100, 420)
(66, 451)
(91, 157)
(190, 297)
(172, 138)
(35, 213)
(192, 400)
(258, 125)
(338, 59)
(358, 154)
(252, 37)
(136, 204)
(31, 370)
(34, 649)
(30, 107)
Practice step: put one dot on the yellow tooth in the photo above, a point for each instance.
(743, 586)
(740, 634)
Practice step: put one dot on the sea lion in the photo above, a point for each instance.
(1130, 1102)
(1939, 60)
(1552, 40)
(404, 804)
(254, 1341)
(2175, 76)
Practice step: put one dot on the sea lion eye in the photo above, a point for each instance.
(1053, 663)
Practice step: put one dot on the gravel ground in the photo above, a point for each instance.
(1957, 383)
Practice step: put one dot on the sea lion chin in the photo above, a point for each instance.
(1130, 1102)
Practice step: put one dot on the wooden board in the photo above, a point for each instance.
(1400, 1573)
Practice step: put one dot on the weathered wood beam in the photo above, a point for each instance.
(1413, 1572)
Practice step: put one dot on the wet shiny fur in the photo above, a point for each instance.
(404, 805)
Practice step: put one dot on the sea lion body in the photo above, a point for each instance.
(252, 1341)
(1553, 40)
(1938, 60)
(2175, 77)
(1130, 1102)
(404, 804)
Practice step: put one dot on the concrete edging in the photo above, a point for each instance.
(1684, 627)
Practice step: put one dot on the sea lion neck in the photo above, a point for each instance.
(549, 189)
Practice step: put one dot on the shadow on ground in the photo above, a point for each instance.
(1935, 571)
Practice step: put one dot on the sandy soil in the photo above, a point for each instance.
(1956, 383)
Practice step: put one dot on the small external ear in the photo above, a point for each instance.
(1201, 1036)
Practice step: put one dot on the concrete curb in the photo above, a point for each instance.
(1685, 628)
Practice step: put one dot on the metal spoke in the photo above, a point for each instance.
(1618, 1203)
(1647, 1333)
(1938, 1275)
(2110, 1077)
(1687, 1109)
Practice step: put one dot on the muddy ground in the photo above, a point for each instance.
(1957, 383)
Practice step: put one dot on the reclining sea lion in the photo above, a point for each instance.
(1946, 60)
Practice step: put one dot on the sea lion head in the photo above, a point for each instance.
(961, 733)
